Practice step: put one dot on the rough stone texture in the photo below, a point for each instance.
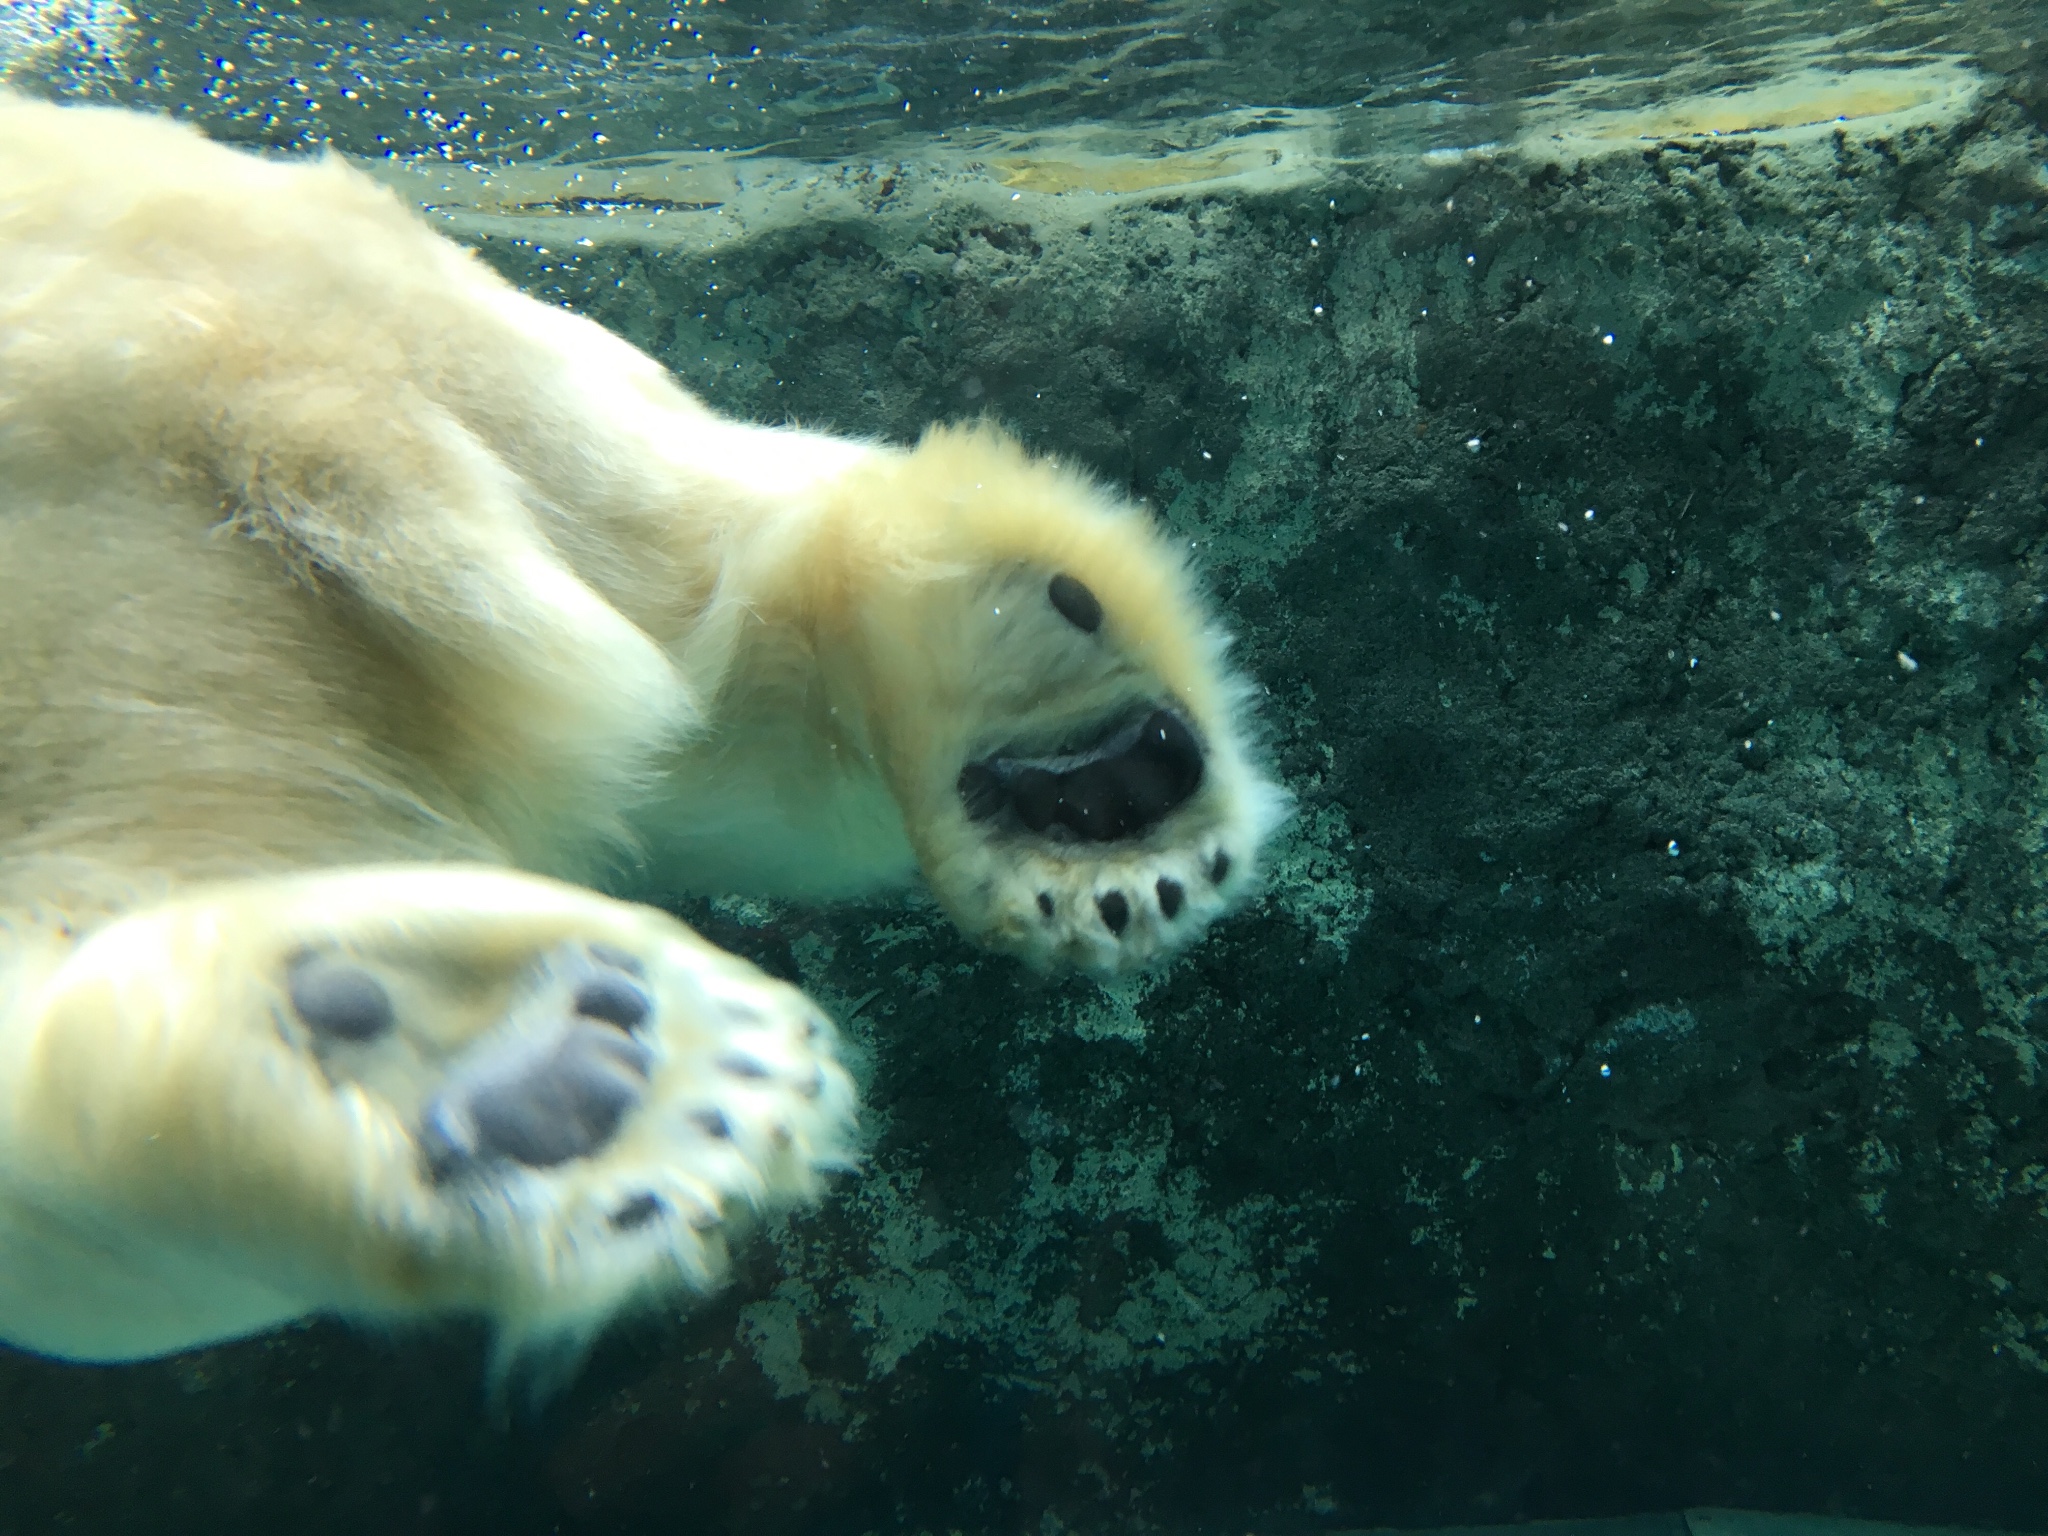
(1627, 1095)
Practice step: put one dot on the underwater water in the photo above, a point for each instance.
(1618, 437)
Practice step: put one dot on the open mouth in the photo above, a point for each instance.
(1124, 785)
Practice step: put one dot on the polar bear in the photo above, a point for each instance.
(357, 615)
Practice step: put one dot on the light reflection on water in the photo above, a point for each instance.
(479, 82)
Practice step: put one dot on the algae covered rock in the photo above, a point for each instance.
(1624, 1096)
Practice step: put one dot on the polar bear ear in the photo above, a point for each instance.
(1071, 752)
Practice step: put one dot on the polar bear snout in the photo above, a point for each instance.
(1121, 786)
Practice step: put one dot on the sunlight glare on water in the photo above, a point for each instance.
(564, 82)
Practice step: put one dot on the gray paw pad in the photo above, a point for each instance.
(339, 1000)
(540, 1100)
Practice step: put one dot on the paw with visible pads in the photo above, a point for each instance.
(1076, 764)
(480, 1091)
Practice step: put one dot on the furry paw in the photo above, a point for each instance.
(1070, 750)
(402, 1092)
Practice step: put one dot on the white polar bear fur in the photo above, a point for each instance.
(350, 598)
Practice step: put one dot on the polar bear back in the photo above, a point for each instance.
(199, 344)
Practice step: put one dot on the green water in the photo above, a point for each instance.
(1617, 436)
(573, 82)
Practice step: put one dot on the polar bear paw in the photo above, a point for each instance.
(1076, 763)
(442, 1090)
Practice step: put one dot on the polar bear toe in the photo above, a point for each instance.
(339, 1001)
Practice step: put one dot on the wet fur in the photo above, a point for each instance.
(324, 550)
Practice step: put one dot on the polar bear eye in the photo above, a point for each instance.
(1077, 605)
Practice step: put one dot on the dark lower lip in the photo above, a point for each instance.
(1122, 787)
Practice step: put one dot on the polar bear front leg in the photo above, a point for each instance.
(392, 1093)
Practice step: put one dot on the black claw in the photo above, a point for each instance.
(1170, 897)
(1115, 910)
(714, 1123)
(1045, 903)
(618, 959)
(636, 1213)
(448, 1139)
(339, 1000)
(1077, 605)
(614, 999)
(739, 1064)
